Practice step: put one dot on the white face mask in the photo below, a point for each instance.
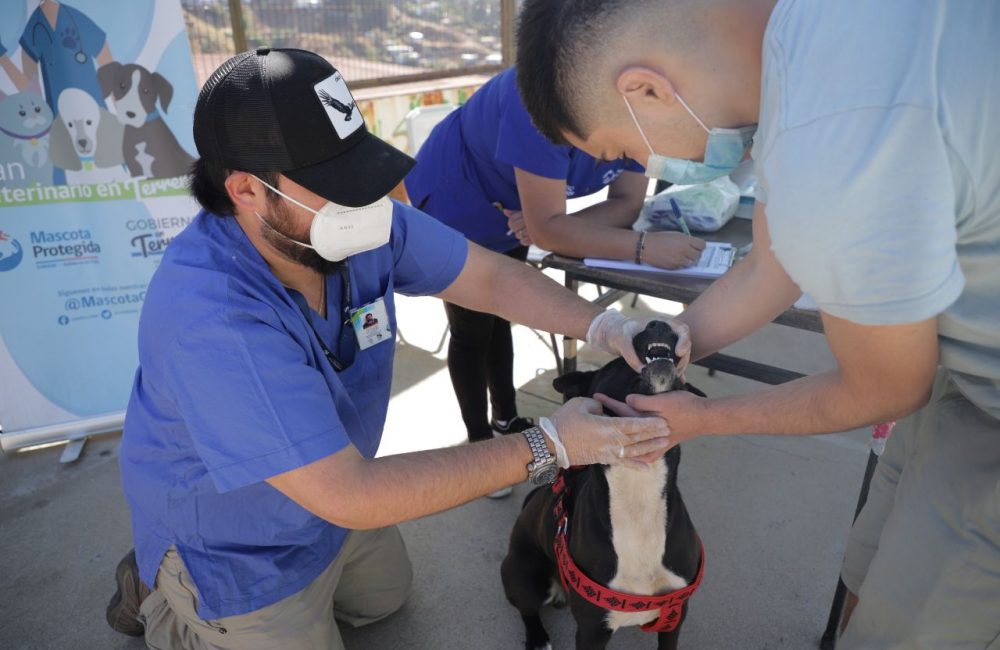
(337, 231)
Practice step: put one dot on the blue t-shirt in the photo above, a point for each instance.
(65, 54)
(233, 388)
(468, 161)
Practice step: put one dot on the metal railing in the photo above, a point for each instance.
(373, 42)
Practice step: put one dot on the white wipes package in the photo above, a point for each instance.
(705, 208)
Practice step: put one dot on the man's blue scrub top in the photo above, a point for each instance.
(56, 51)
(468, 161)
(233, 388)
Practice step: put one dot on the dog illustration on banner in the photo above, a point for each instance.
(86, 140)
(148, 145)
(104, 116)
(25, 124)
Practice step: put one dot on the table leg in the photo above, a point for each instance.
(569, 343)
(829, 638)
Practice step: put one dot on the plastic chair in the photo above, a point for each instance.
(419, 122)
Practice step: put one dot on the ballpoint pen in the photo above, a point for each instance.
(499, 206)
(680, 217)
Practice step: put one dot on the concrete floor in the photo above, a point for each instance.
(773, 514)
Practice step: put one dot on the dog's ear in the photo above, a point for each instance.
(106, 76)
(110, 133)
(574, 384)
(61, 150)
(164, 89)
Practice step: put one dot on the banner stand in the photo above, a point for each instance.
(96, 142)
(76, 433)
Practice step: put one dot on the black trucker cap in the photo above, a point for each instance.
(290, 111)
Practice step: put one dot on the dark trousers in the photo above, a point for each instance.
(481, 359)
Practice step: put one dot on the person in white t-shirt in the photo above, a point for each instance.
(873, 127)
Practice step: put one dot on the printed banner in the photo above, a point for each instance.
(96, 103)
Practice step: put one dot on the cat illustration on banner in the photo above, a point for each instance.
(25, 125)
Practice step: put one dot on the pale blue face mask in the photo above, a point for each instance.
(723, 153)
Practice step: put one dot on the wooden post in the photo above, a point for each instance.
(508, 18)
(239, 27)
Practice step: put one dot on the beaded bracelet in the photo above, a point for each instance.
(639, 247)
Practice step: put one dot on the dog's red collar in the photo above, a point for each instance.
(670, 604)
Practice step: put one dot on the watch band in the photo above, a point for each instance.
(543, 467)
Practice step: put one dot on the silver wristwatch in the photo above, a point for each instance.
(543, 470)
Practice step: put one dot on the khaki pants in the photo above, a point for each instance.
(369, 579)
(924, 554)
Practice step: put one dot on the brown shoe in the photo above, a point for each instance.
(123, 609)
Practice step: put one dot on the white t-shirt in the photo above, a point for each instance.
(878, 154)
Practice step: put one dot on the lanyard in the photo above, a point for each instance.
(346, 343)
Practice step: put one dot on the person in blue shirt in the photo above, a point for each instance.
(487, 172)
(259, 511)
(67, 47)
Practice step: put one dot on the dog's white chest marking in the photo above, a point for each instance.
(144, 160)
(639, 536)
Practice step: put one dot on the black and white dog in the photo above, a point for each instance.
(625, 552)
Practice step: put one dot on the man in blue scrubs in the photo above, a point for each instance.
(259, 511)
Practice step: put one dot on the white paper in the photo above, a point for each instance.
(715, 260)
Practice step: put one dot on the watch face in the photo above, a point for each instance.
(547, 475)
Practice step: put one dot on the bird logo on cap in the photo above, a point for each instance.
(337, 105)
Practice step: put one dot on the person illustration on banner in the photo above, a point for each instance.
(64, 47)
(16, 77)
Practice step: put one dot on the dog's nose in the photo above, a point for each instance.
(82, 143)
(130, 114)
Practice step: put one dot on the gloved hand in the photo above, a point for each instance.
(613, 332)
(582, 435)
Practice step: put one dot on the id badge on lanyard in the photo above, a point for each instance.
(371, 324)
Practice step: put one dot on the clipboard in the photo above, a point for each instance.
(716, 259)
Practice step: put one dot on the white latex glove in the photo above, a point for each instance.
(613, 332)
(582, 435)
